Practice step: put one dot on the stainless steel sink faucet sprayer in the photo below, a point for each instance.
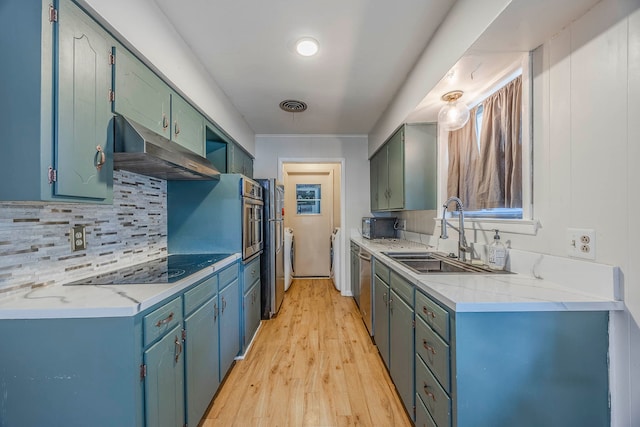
(463, 248)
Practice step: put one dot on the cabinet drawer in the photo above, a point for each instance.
(433, 396)
(227, 276)
(381, 270)
(402, 287)
(162, 320)
(434, 352)
(423, 418)
(201, 293)
(251, 273)
(435, 316)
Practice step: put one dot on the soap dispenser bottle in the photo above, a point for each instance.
(497, 253)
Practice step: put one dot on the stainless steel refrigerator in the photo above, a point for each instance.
(272, 261)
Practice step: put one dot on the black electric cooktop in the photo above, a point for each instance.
(169, 269)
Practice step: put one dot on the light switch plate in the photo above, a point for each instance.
(78, 238)
(581, 243)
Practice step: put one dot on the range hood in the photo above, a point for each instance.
(140, 150)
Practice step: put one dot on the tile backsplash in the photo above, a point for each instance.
(35, 246)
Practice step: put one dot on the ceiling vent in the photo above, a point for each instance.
(293, 106)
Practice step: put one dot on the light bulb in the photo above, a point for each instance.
(307, 46)
(455, 114)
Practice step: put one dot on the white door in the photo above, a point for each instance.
(309, 212)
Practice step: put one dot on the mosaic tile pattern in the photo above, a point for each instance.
(35, 246)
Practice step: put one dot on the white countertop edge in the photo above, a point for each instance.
(68, 313)
(127, 309)
(539, 306)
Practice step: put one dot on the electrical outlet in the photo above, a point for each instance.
(581, 243)
(78, 238)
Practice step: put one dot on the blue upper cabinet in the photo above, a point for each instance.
(139, 94)
(55, 104)
(187, 125)
(84, 141)
(143, 97)
(403, 172)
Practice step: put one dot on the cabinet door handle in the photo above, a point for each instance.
(428, 312)
(428, 393)
(167, 319)
(176, 128)
(99, 158)
(224, 304)
(384, 298)
(426, 345)
(165, 121)
(178, 348)
(215, 311)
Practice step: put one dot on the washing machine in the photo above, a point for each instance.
(288, 257)
(335, 257)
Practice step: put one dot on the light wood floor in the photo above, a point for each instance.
(312, 365)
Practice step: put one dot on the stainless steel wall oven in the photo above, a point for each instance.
(252, 232)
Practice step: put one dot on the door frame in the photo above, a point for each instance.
(344, 289)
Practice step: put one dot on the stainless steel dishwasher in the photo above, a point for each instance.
(365, 288)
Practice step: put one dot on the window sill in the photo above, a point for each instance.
(527, 227)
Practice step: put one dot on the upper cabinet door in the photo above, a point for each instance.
(140, 95)
(187, 125)
(396, 171)
(84, 141)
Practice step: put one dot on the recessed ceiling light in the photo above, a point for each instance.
(307, 46)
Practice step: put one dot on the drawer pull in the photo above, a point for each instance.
(428, 393)
(178, 348)
(428, 347)
(167, 319)
(428, 312)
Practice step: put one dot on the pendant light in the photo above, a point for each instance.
(455, 114)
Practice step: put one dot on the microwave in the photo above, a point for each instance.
(378, 228)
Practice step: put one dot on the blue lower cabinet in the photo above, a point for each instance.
(381, 317)
(201, 360)
(164, 382)
(423, 419)
(71, 372)
(229, 302)
(401, 353)
(251, 309)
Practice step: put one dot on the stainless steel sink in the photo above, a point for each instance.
(438, 263)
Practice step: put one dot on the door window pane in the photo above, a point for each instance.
(308, 198)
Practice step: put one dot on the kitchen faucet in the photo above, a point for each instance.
(462, 241)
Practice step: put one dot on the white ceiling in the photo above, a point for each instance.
(367, 48)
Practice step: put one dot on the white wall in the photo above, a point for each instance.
(466, 21)
(586, 136)
(163, 47)
(270, 149)
(586, 146)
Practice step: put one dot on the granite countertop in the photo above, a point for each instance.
(60, 301)
(539, 283)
